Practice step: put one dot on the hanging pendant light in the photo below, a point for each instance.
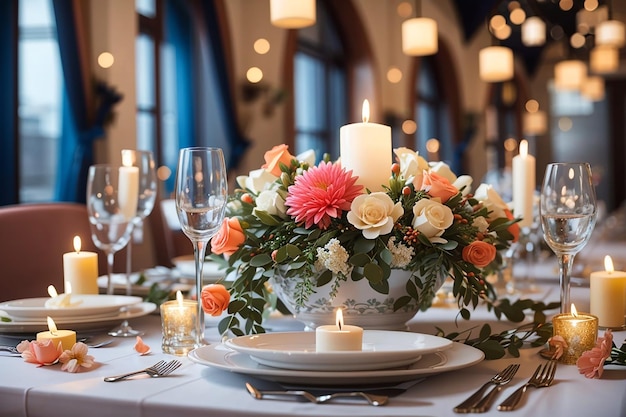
(610, 33)
(533, 31)
(292, 14)
(535, 123)
(569, 74)
(419, 36)
(495, 63)
(593, 88)
(604, 59)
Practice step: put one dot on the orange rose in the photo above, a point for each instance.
(273, 157)
(514, 228)
(228, 239)
(479, 253)
(438, 186)
(215, 299)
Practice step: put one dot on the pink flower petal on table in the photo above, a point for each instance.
(141, 347)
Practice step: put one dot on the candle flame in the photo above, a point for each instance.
(52, 291)
(51, 325)
(570, 173)
(77, 244)
(339, 319)
(127, 158)
(574, 311)
(608, 264)
(523, 148)
(365, 112)
(179, 298)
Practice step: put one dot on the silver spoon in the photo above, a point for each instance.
(374, 400)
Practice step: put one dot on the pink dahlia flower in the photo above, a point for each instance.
(322, 193)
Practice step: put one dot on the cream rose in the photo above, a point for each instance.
(257, 181)
(463, 181)
(490, 198)
(443, 170)
(411, 165)
(272, 202)
(431, 218)
(374, 214)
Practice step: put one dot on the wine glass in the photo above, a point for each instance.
(201, 196)
(568, 215)
(146, 196)
(111, 203)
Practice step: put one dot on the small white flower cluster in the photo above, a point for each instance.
(334, 257)
(401, 254)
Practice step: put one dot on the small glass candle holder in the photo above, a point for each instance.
(580, 331)
(178, 323)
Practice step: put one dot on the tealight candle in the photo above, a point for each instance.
(608, 295)
(178, 321)
(80, 270)
(365, 149)
(338, 337)
(579, 330)
(67, 338)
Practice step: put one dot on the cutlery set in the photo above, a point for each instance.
(476, 403)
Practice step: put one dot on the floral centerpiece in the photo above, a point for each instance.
(315, 223)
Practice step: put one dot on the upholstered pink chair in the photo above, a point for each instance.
(33, 239)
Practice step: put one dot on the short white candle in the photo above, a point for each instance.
(365, 149)
(128, 187)
(608, 295)
(80, 270)
(338, 337)
(523, 185)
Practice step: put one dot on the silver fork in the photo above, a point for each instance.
(501, 377)
(543, 377)
(484, 404)
(161, 368)
(374, 400)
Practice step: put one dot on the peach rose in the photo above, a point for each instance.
(274, 156)
(40, 352)
(215, 299)
(437, 186)
(374, 214)
(514, 228)
(479, 253)
(558, 345)
(228, 239)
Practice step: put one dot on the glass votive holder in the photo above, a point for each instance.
(178, 324)
(579, 331)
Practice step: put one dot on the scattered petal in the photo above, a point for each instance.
(141, 347)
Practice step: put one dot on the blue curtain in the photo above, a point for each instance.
(9, 192)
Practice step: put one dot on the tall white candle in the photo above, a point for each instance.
(365, 149)
(607, 291)
(338, 337)
(80, 270)
(128, 187)
(523, 185)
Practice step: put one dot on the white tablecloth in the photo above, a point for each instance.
(196, 390)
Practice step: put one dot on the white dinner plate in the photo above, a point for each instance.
(220, 356)
(82, 306)
(296, 350)
(186, 268)
(143, 289)
(74, 323)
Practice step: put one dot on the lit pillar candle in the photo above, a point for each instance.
(338, 337)
(523, 185)
(178, 321)
(608, 295)
(579, 330)
(365, 149)
(80, 270)
(128, 187)
(67, 338)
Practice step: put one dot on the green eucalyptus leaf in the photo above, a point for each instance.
(260, 260)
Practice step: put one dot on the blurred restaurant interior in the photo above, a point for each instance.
(84, 79)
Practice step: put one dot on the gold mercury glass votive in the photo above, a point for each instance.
(178, 323)
(579, 331)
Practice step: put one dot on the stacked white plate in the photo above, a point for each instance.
(387, 356)
(84, 312)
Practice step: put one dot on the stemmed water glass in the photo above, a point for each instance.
(111, 207)
(201, 196)
(568, 215)
(146, 196)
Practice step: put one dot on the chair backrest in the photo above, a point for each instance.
(33, 239)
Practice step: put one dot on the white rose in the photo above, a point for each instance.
(481, 224)
(443, 170)
(490, 198)
(431, 218)
(464, 181)
(374, 214)
(411, 164)
(271, 202)
(258, 180)
(307, 157)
